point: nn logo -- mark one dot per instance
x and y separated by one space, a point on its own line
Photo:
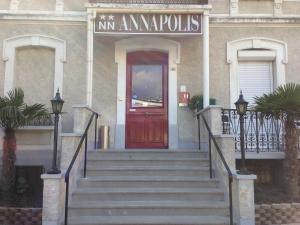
106 22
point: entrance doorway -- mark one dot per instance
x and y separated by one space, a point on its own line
147 100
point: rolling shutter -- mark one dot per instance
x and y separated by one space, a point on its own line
255 79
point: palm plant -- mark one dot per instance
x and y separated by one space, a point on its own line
284 103
14 113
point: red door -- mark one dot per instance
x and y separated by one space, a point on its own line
147 100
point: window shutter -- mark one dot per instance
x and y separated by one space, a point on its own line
255 79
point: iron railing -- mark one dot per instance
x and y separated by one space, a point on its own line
262 133
84 138
211 139
185 2
44 121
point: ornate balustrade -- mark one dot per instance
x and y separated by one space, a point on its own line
192 2
47 121
262 133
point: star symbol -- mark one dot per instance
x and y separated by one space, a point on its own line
111 17
102 17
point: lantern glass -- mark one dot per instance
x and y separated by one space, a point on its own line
241 105
57 103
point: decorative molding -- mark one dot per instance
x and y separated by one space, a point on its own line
14 4
278 7
59 6
146 43
281 59
234 7
90 57
9 49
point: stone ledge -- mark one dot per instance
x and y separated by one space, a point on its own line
244 177
52 176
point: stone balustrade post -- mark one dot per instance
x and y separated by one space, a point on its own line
213 116
226 144
81 116
243 199
70 143
53 199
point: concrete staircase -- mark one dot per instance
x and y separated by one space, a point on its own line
139 187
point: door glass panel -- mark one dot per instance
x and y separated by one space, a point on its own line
147 86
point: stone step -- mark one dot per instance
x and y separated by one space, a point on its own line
147 181
146 154
93 171
107 162
149 220
148 194
148 208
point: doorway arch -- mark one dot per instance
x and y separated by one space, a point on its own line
124 46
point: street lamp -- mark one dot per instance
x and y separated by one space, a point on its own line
241 107
57 105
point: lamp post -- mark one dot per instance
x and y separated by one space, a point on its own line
57 105
241 107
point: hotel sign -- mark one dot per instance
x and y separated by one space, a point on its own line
139 23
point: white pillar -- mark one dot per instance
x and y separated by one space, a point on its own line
90 56
53 199
243 199
205 59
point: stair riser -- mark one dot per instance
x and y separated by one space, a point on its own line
200 173
149 197
154 163
148 212
147 155
150 184
139 223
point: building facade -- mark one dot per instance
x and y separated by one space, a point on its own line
104 54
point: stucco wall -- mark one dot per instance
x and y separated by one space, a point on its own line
74 81
37 5
34 73
105 69
291 7
71 5
219 6
4 4
189 74
220 35
105 84
256 6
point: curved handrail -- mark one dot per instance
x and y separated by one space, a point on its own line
84 137
225 164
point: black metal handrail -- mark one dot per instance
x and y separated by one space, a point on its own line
220 154
84 138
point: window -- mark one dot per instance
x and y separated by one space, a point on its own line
255 79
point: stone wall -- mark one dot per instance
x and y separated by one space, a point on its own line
277 214
17 216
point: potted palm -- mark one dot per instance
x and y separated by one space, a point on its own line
284 103
15 113
196 102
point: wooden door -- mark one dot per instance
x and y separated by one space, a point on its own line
147 100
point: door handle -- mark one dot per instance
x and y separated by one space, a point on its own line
147 114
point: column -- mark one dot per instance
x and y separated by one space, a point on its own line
205 59
234 7
53 199
90 56
243 199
